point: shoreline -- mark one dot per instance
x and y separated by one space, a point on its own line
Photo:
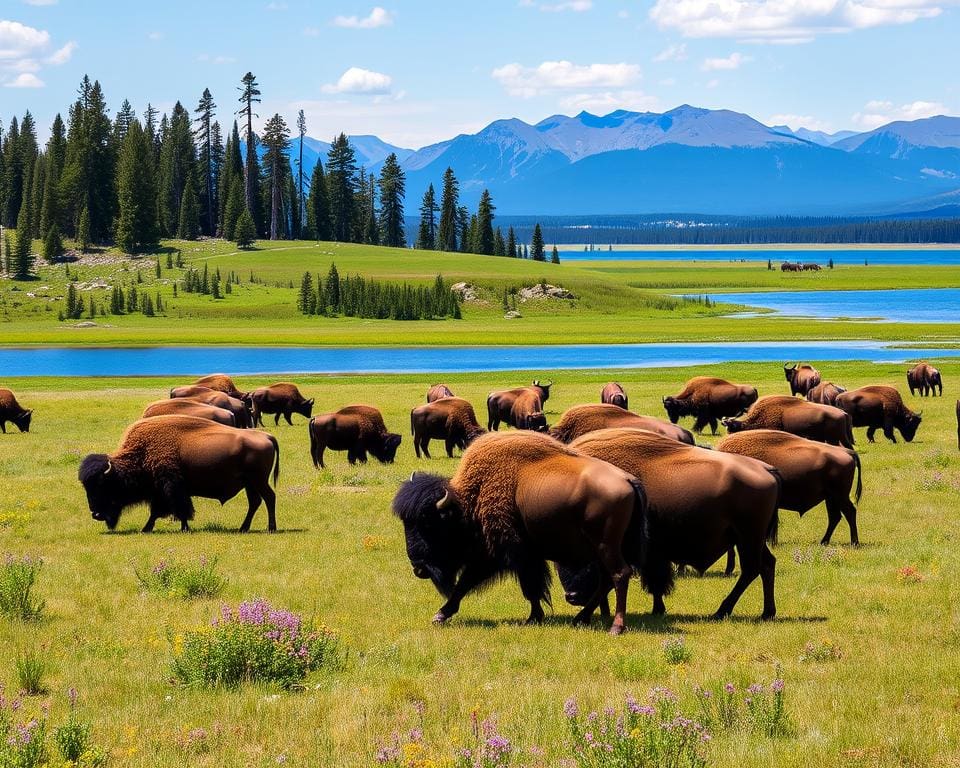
768 247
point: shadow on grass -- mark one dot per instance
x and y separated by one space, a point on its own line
644 622
203 529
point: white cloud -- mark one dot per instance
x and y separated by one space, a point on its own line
357 80
25 80
778 21
275 6
713 83
608 101
378 17
18 40
577 6
800 121
155 36
217 59
733 61
527 82
40 2
676 52
877 113
668 82
62 55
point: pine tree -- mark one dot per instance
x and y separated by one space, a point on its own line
511 243
207 171
70 310
485 238
177 169
136 192
188 227
341 188
449 204
245 232
463 228
393 189
215 287
121 123
301 200
371 233
331 289
499 246
233 209
318 206
147 305
22 256
92 310
230 174
55 155
52 244
276 139
427 234
250 95
307 298
536 244
12 191
555 256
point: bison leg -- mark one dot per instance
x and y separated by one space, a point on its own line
731 562
276 419
472 577
3 427
713 426
850 512
157 510
533 578
700 423
888 431
768 570
254 496
253 504
425 447
599 598
749 570
871 431
833 519
450 444
287 417
619 572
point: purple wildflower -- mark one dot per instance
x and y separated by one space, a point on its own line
777 685
729 688
570 709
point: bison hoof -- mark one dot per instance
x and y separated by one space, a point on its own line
768 615
440 618
617 629
721 615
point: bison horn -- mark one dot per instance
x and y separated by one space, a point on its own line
109 468
445 501
548 384
413 474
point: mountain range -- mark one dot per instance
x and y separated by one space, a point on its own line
686 159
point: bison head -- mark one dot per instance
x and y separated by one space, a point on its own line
23 421
435 529
386 452
535 422
732 425
790 372
674 409
105 488
544 389
910 425
579 584
305 408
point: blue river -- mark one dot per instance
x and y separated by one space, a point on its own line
876 256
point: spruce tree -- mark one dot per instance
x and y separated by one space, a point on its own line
427 233
463 228
204 136
499 246
52 244
307 298
70 310
22 256
177 169
55 155
250 95
276 139
536 244
230 174
233 209
137 226
318 205
341 188
188 227
449 204
245 232
301 200
331 289
392 185
485 239
511 243
555 256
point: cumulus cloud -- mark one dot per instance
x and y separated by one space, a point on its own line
787 21
877 113
25 80
362 81
378 17
608 101
18 40
63 55
677 52
527 82
733 61
25 51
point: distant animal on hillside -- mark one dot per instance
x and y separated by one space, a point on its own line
799 417
437 391
183 406
283 399
521 408
925 379
825 393
450 419
356 429
165 460
802 378
614 394
581 419
880 407
708 400
239 408
516 501
11 410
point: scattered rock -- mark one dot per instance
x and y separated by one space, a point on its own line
465 291
545 291
85 324
512 315
93 285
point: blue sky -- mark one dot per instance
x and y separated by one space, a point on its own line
418 72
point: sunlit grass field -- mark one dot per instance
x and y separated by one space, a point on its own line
891 698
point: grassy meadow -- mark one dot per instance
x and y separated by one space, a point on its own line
885 693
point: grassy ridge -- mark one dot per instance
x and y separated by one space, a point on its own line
889 700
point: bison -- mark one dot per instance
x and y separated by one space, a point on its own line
239 408
282 399
880 407
825 393
701 503
790 267
450 419
581 419
221 383
799 417
185 407
614 394
166 460
802 378
515 502
437 391
11 410
521 408
356 429
925 379
709 399
812 472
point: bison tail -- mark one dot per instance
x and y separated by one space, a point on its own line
849 432
276 464
859 492
636 540
313 444
774 526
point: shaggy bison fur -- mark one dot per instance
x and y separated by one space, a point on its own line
450 419
186 407
709 399
581 419
880 407
356 429
799 417
283 399
11 410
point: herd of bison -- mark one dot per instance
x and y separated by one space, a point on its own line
604 493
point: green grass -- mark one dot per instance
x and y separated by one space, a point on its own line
885 695
616 301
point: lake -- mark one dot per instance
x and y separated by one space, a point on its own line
877 256
903 305
248 361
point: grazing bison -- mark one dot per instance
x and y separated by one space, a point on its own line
11 410
810 266
582 419
166 460
614 394
239 408
356 429
825 393
185 407
221 383
811 472
709 399
790 267
802 378
515 502
925 379
437 391
521 408
450 419
880 407
701 503
282 399
799 417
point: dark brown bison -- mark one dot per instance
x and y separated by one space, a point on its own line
437 391
614 394
356 429
239 408
582 419
185 407
701 503
812 472
825 393
790 267
221 383
810 266
802 378
515 502
880 407
709 399
283 399
166 460
11 410
450 419
799 417
925 379
521 408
